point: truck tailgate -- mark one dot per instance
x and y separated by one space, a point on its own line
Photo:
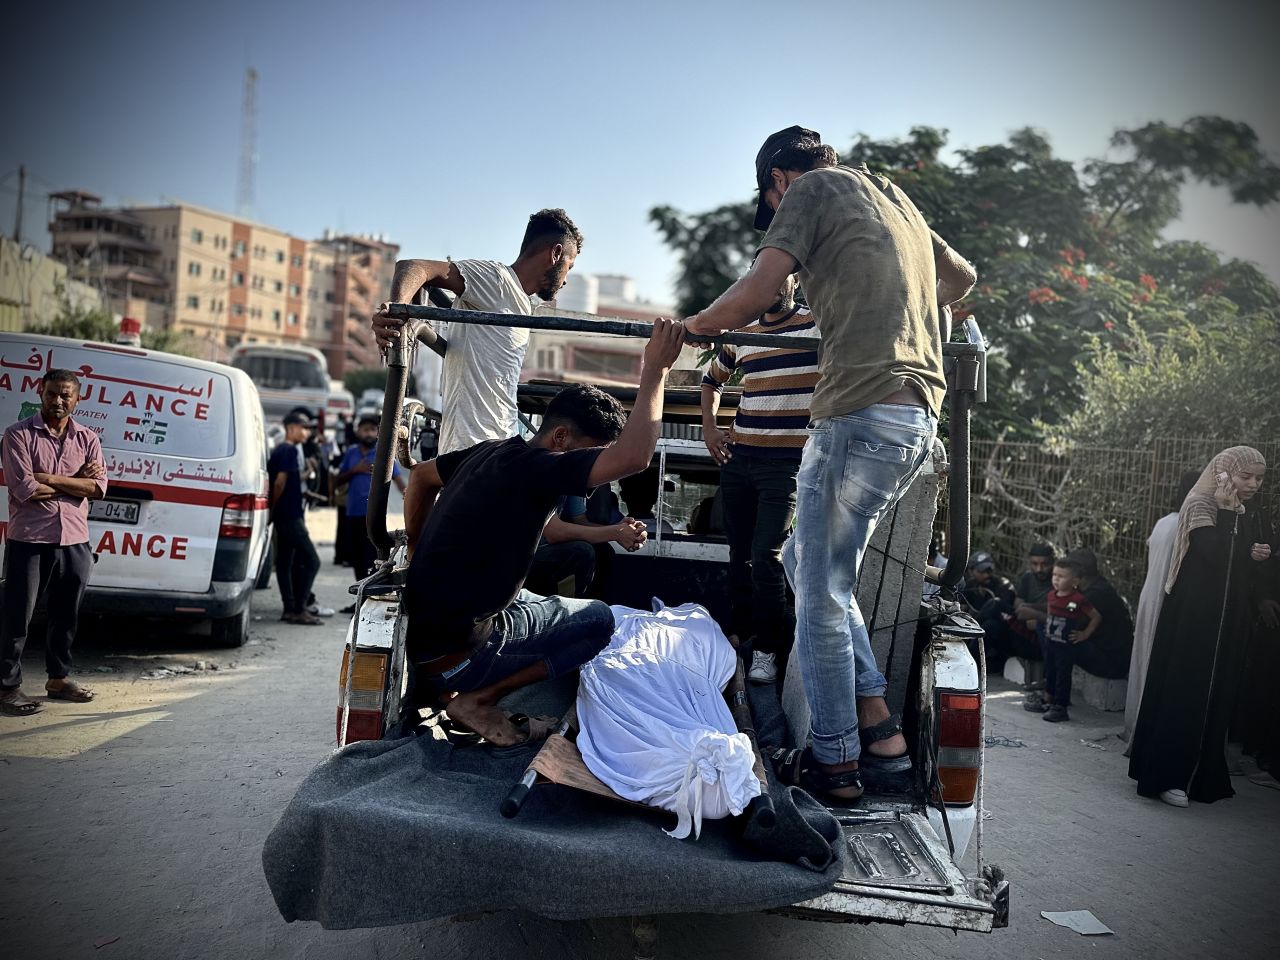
897 870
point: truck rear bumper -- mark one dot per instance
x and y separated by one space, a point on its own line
897 870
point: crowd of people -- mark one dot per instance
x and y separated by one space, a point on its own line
1200 655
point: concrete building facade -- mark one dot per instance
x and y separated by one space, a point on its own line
226 281
595 358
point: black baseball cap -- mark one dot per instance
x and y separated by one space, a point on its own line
774 144
374 418
298 417
982 561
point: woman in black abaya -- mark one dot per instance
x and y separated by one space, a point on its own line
1179 743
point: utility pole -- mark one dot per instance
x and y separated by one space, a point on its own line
248 145
22 196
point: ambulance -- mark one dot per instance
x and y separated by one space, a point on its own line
183 531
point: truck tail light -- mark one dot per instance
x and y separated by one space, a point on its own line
368 687
959 745
237 515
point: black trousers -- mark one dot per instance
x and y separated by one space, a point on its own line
554 562
297 563
759 495
342 538
359 548
33 569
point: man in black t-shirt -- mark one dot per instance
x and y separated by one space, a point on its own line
1030 604
475 517
296 560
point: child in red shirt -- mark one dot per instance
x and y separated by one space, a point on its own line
1068 609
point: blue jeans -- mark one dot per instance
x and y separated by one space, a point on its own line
558 631
855 468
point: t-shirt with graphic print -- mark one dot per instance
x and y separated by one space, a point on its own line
1066 613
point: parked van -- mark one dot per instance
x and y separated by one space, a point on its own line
286 377
183 531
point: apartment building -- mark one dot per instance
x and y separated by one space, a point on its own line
363 266
227 281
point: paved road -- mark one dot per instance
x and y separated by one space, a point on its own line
142 816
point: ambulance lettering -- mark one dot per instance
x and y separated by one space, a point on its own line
156 545
29 384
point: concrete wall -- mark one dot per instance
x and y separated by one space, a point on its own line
29 284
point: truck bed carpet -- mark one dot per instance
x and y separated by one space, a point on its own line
408 830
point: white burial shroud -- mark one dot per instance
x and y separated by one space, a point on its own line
654 724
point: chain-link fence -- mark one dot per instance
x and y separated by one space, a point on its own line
1100 498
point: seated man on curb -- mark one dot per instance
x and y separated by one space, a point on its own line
474 518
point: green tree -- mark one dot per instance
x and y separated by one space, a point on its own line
77 322
1063 254
1192 383
372 378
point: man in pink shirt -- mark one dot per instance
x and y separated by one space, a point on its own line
52 467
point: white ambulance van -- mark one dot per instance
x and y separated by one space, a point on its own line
183 531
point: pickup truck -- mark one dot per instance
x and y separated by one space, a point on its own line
903 851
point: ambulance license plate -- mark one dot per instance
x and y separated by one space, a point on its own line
114 511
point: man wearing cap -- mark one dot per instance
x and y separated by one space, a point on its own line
990 597
875 277
356 472
296 559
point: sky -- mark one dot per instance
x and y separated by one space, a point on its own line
444 125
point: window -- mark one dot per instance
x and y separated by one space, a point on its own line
193 302
277 286
329 297
276 372
238 250
604 363
279 256
296 260
275 317
193 269
197 236
295 290
293 319
237 279
238 309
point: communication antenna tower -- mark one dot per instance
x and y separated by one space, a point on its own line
248 145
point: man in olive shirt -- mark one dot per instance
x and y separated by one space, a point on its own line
875 277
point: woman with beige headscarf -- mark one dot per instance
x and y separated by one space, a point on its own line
1179 743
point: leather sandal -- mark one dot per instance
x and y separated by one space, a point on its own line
70 691
798 768
14 703
890 774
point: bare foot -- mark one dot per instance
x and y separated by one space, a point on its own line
469 711
872 710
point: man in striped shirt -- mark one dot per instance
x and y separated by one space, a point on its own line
759 456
